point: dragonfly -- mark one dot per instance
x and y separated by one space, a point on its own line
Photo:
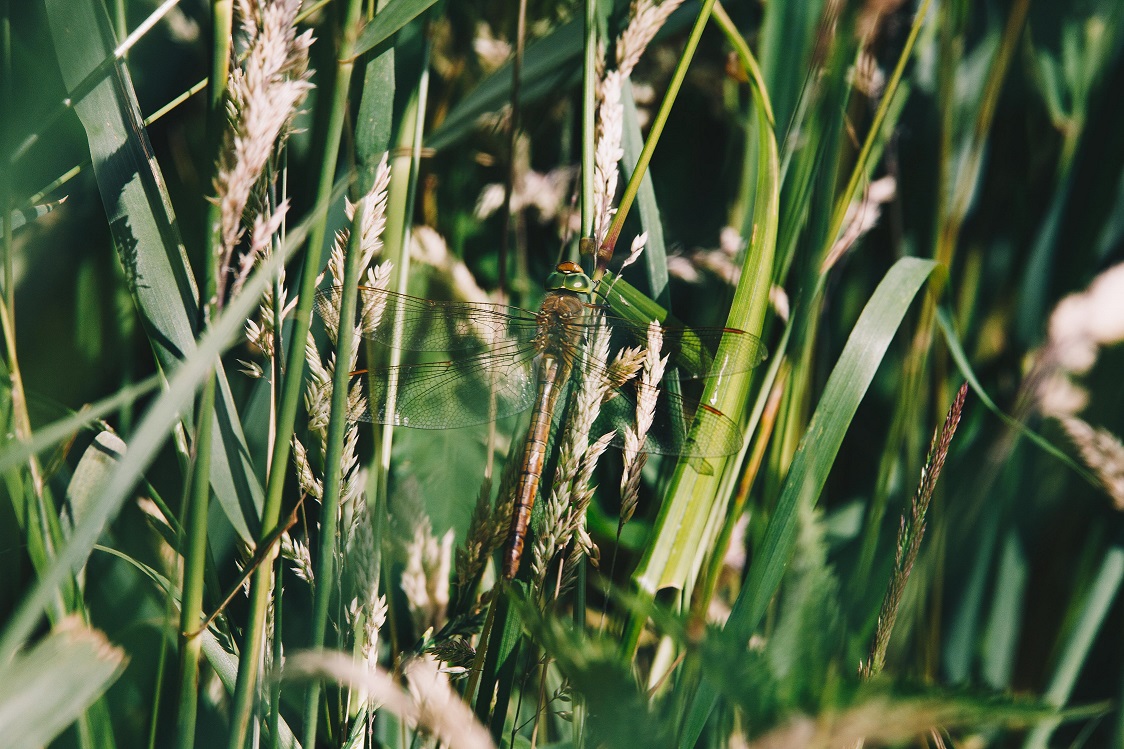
504 360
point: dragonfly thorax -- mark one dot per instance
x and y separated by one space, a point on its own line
560 324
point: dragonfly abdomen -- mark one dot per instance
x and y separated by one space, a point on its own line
551 374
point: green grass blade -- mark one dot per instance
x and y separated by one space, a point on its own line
389 21
146 236
784 46
674 553
194 549
655 251
815 456
1076 649
47 687
226 666
156 427
15 452
944 320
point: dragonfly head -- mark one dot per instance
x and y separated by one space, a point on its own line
568 276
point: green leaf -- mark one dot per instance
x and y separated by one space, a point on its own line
45 689
655 251
94 468
697 494
154 429
815 456
145 233
389 21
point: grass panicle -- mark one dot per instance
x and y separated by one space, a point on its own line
849 183
910 533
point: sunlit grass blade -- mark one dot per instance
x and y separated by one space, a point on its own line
148 242
389 21
14 452
677 548
48 686
152 432
956 349
814 458
1076 647
655 251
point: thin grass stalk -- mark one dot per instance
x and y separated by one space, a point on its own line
1097 604
278 657
92 80
222 21
746 57
6 176
58 431
194 548
337 424
840 214
989 102
193 543
605 251
38 521
401 196
908 408
589 112
158 677
153 431
249 664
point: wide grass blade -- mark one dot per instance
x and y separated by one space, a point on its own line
154 429
46 688
695 496
815 457
146 236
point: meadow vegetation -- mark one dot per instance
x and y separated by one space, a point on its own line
221 526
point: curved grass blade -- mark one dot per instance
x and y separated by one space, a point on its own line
15 452
694 496
944 320
146 236
815 456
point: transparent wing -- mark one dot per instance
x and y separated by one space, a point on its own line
427 325
670 434
450 394
697 353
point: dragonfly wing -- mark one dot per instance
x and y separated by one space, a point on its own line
414 324
697 353
715 435
450 394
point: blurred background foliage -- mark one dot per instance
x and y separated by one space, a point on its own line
1018 543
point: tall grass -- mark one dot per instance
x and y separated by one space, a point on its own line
914 206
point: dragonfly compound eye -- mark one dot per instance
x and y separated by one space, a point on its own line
569 277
